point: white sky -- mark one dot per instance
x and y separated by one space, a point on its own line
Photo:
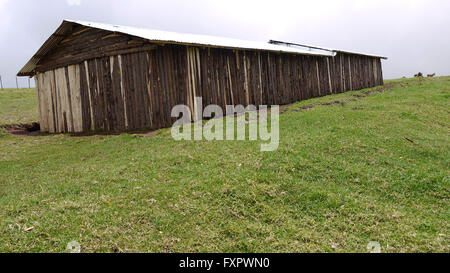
414 34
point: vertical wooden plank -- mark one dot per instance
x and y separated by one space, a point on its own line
170 79
190 83
306 79
52 101
192 72
375 73
95 104
123 92
68 95
199 75
230 80
350 72
135 91
64 114
41 102
380 71
260 78
318 78
129 91
85 97
44 91
59 128
301 89
216 79
75 97
144 92
118 108
157 88
100 104
278 83
329 75
171 89
147 72
108 95
246 76
163 85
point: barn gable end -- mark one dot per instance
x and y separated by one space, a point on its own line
84 43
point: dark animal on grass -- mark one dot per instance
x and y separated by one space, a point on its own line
418 75
431 75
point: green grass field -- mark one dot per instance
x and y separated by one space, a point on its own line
18 106
375 168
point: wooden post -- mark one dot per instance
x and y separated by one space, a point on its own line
29 83
17 83
1 83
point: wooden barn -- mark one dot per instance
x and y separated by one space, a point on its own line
92 76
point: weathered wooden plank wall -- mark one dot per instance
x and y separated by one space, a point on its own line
139 89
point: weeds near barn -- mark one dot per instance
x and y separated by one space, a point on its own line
374 167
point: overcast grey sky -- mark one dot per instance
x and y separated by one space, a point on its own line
414 34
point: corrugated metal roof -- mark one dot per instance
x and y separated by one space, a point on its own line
320 49
161 36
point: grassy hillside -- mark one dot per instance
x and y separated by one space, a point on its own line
18 106
373 167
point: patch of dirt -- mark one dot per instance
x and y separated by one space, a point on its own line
310 106
33 130
359 96
144 133
27 129
306 107
150 134
343 103
370 92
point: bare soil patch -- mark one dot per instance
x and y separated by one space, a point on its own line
26 129
363 94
